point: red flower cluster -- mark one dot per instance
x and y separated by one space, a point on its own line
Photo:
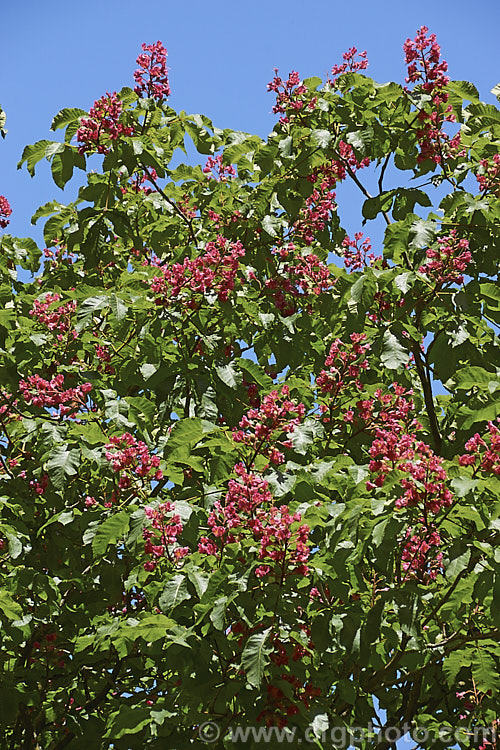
422 56
289 94
418 558
483 452
357 256
137 181
215 168
214 271
306 275
335 170
248 511
345 363
262 427
350 64
489 177
5 211
151 76
103 121
39 487
131 456
445 265
161 537
49 393
55 319
279 706
314 216
396 446
58 256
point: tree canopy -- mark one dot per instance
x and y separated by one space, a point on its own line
249 461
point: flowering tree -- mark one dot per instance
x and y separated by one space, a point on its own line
234 489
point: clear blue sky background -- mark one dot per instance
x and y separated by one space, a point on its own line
58 53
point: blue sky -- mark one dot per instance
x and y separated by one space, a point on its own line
59 54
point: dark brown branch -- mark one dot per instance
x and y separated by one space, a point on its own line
428 398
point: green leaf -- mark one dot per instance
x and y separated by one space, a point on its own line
175 592
393 354
10 609
321 138
457 564
199 580
33 154
255 657
109 532
67 116
229 374
62 463
475 377
303 435
124 723
465 90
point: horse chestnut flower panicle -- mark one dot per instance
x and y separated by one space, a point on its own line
5 211
483 452
151 76
350 64
261 427
215 270
219 171
247 512
128 455
445 264
103 121
422 56
357 256
49 393
489 176
58 319
419 557
289 94
345 363
161 537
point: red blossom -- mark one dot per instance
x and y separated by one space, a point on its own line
445 264
103 122
55 319
425 67
215 270
345 363
151 76
161 537
219 171
129 456
50 393
350 64
263 427
5 211
357 256
489 175
289 94
483 452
